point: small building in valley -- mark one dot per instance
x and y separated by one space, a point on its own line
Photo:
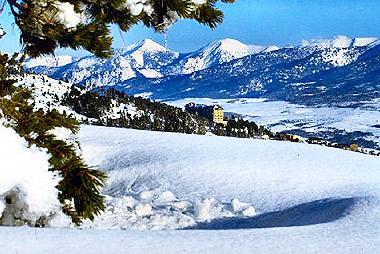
218 114
213 113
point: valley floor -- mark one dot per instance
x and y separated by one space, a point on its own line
308 199
360 124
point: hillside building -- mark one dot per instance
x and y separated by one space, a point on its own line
213 113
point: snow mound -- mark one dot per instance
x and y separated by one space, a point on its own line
24 174
157 210
185 180
270 175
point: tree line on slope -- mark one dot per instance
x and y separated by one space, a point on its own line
240 128
110 107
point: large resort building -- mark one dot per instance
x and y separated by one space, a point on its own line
213 113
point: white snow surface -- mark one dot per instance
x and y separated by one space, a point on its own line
27 169
49 61
218 52
196 166
269 175
48 93
340 41
68 16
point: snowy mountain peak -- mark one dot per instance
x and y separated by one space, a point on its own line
338 42
234 48
363 41
147 45
218 52
48 61
229 45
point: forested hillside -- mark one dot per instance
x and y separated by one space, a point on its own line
113 108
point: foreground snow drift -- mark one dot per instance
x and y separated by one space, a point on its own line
152 210
27 188
308 199
270 175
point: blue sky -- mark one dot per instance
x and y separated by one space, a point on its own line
260 22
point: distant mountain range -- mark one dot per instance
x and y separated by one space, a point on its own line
340 71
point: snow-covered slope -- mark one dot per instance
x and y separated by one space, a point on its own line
309 199
217 52
48 93
142 59
49 61
339 42
338 50
197 166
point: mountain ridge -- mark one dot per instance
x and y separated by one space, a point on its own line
229 69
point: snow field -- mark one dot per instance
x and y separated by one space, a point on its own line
155 176
270 175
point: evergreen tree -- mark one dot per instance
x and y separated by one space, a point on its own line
46 25
79 191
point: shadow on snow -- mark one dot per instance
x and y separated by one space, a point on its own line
315 212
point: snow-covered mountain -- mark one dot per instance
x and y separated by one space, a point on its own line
48 93
215 53
46 64
231 69
144 59
338 42
49 61
109 107
290 73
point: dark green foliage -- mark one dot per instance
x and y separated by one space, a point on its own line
240 128
42 32
153 115
79 191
